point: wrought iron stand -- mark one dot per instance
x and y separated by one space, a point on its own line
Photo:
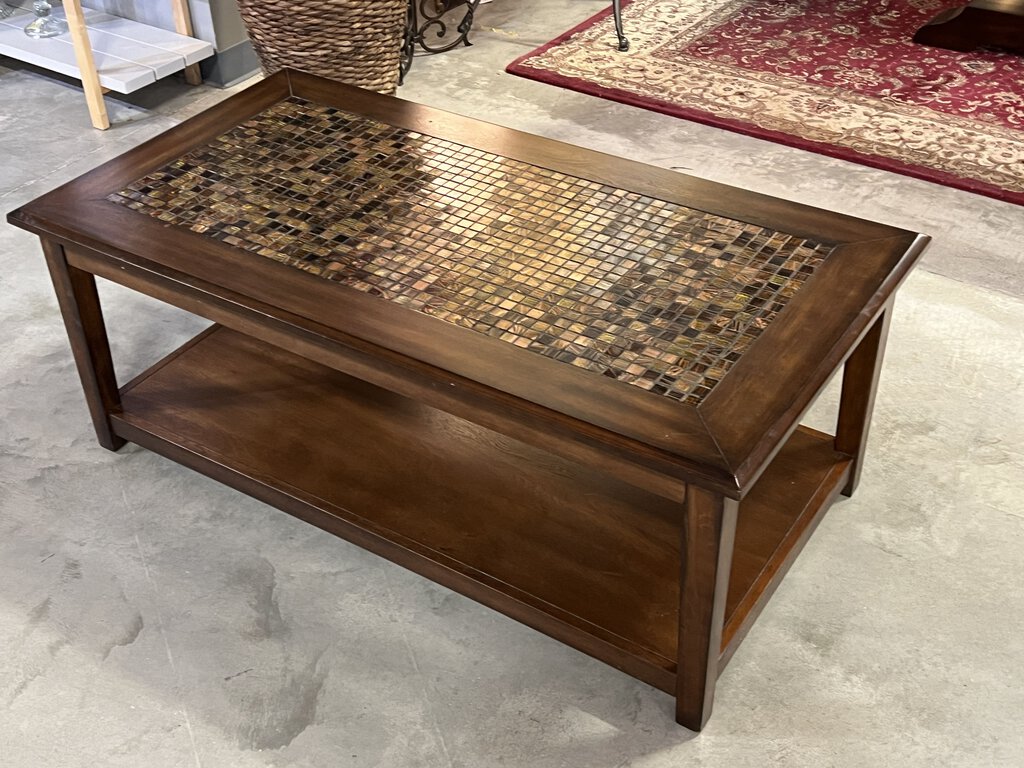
428 28
617 13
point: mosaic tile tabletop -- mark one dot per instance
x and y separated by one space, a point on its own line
652 293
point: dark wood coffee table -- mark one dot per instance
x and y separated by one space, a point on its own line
979 24
564 384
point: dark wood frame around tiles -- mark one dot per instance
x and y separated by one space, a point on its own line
644 527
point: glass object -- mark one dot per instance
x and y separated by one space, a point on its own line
45 25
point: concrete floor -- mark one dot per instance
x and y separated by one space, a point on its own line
149 616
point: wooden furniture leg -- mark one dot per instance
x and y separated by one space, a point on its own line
83 318
860 383
709 530
183 26
86 65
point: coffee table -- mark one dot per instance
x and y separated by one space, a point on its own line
564 384
978 24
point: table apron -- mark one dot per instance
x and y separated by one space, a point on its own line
481 405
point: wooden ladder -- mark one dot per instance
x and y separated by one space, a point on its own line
83 55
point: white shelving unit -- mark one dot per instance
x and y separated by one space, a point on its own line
106 52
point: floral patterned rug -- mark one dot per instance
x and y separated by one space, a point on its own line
840 77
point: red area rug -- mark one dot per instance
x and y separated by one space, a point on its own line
840 77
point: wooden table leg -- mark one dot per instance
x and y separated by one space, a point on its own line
709 530
83 318
860 384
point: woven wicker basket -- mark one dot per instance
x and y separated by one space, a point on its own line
355 41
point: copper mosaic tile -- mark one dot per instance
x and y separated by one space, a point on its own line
649 292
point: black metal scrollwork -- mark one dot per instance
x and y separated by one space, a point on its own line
427 27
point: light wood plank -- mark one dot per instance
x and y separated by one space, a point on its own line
127 55
183 25
86 65
58 55
162 62
188 48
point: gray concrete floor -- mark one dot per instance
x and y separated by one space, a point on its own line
149 616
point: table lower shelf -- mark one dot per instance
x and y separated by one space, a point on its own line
585 558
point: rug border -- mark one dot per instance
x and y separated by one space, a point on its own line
933 175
